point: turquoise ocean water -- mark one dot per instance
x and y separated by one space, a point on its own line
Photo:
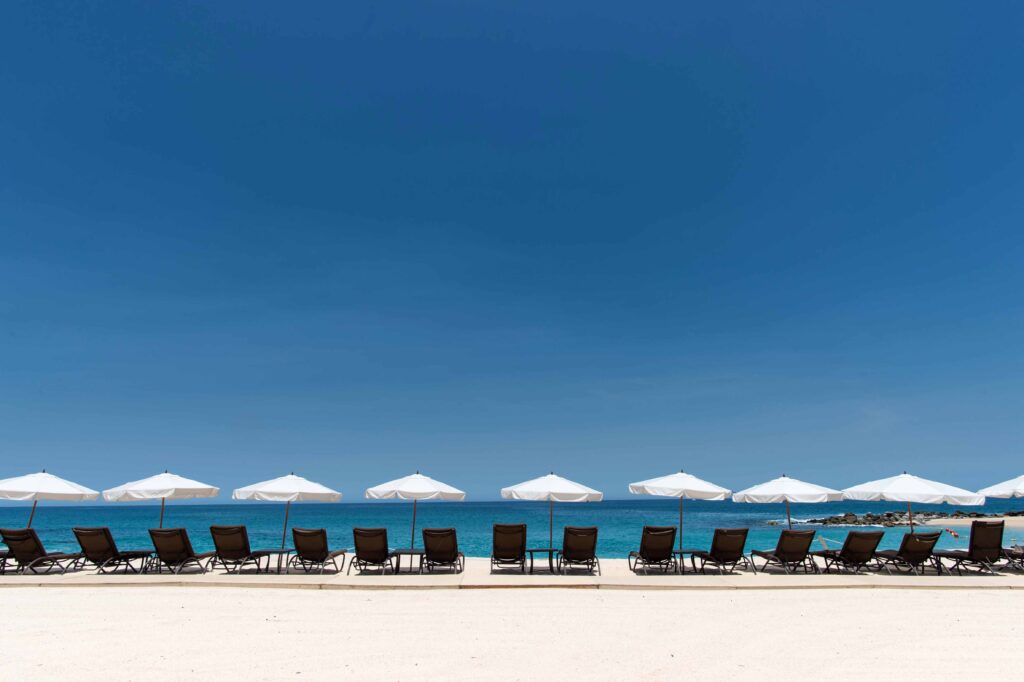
620 521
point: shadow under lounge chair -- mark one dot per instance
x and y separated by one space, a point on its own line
857 553
232 550
793 552
509 546
1014 557
726 551
914 554
100 550
29 554
3 561
174 551
371 550
441 550
579 548
984 551
656 549
312 552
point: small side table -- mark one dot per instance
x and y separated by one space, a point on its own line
550 551
410 552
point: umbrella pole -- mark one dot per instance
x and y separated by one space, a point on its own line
162 500
680 523
551 522
789 519
910 513
284 533
32 514
413 542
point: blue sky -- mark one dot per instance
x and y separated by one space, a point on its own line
488 241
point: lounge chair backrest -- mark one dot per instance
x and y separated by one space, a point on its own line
97 544
509 541
860 545
371 544
311 544
727 544
231 542
657 542
579 544
986 541
171 544
440 545
23 543
794 545
916 548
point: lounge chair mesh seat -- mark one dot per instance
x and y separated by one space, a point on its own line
100 550
791 553
28 552
656 550
371 550
984 552
579 549
174 551
232 550
726 551
913 556
441 550
857 553
509 546
312 552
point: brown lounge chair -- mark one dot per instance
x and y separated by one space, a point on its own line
312 552
726 551
1014 557
441 550
174 550
579 548
857 553
3 561
791 553
27 550
232 550
656 545
372 551
984 551
100 550
509 548
914 554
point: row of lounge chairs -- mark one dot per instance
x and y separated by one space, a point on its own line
172 551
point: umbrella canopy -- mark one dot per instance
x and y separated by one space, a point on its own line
43 486
1012 488
909 488
786 489
165 486
287 489
415 487
681 485
552 488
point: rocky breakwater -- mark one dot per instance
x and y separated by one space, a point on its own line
899 518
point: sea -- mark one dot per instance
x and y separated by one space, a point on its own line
620 522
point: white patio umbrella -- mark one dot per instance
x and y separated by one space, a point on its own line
165 486
287 489
415 487
786 489
43 486
1012 488
909 488
552 488
683 486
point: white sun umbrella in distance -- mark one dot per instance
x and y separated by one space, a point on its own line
909 488
786 489
415 487
43 486
682 485
163 487
287 489
552 488
1012 488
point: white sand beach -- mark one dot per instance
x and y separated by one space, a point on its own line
171 633
1010 521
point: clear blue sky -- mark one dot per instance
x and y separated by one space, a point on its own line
487 241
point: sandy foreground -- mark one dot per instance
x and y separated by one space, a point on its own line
169 633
